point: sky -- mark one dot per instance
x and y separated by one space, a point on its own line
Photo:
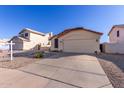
57 18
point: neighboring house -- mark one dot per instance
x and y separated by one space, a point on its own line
3 41
77 40
116 40
29 39
3 45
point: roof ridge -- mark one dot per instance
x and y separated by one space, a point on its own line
76 28
31 30
119 25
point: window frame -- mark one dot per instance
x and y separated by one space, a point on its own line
26 34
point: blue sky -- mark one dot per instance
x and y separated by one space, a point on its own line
57 18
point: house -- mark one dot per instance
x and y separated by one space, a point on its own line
29 39
77 40
3 45
116 40
3 41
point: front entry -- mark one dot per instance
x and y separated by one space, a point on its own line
56 45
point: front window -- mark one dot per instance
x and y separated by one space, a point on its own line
26 34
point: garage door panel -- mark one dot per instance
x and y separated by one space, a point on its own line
79 46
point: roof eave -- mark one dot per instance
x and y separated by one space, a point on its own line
30 30
53 37
62 33
111 30
114 27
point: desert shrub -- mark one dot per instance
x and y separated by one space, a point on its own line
38 55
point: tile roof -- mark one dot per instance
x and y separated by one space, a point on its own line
74 29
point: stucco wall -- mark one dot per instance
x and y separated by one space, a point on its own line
88 41
116 44
113 48
113 35
28 45
36 39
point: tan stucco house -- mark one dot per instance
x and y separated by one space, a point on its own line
77 40
29 39
116 40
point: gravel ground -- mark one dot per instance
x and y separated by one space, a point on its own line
22 59
17 62
113 66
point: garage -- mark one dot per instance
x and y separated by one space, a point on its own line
77 40
79 46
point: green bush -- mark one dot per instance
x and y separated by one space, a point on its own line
38 55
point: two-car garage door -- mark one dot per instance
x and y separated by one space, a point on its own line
80 46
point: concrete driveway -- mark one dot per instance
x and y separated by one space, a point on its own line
61 70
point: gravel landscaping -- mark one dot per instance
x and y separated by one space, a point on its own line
113 66
20 59
17 62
